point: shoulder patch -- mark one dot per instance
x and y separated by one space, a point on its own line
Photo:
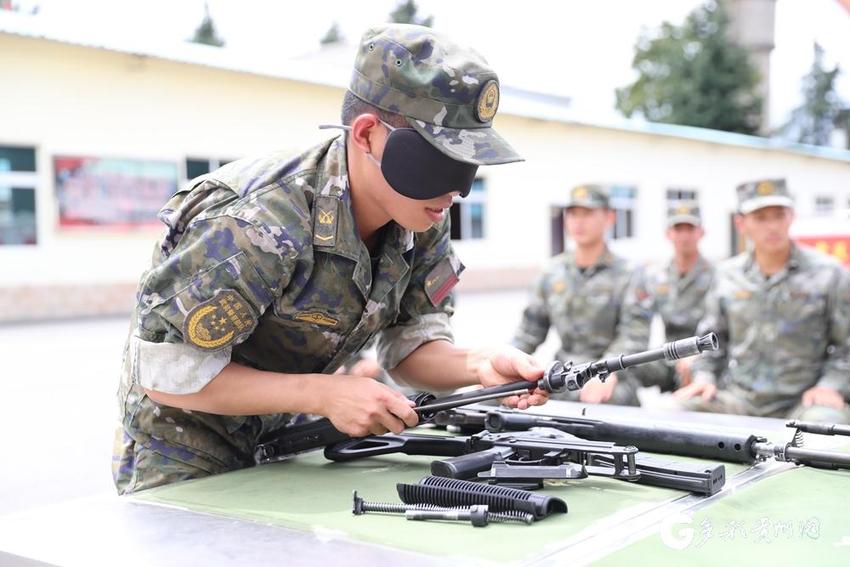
215 324
440 281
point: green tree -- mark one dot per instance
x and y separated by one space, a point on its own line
694 75
206 33
822 110
843 122
333 35
406 13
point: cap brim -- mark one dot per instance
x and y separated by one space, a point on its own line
683 219
586 205
479 146
751 205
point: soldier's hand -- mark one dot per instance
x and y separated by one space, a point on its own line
510 365
361 406
595 391
683 370
705 389
820 396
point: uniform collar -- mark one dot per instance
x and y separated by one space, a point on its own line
332 192
701 265
335 228
606 260
796 260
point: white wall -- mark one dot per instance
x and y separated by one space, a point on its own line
72 100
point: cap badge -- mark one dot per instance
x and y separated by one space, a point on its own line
580 193
488 101
765 188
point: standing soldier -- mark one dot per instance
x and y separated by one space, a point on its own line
676 292
781 314
581 294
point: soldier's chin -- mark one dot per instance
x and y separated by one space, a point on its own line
418 225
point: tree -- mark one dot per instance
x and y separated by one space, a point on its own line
843 122
822 111
333 35
694 75
405 13
206 33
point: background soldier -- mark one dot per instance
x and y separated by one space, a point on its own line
274 271
781 313
676 292
581 295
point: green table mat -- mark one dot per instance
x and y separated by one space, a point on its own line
798 517
312 494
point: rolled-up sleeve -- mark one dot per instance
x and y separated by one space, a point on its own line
397 342
175 368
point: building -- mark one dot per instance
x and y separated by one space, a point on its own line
94 137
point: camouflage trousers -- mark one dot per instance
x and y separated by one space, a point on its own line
157 444
737 401
659 373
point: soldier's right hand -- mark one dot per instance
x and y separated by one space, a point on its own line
360 406
705 389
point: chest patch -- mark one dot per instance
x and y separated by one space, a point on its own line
317 318
743 294
216 323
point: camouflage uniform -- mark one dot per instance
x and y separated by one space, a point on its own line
779 335
262 264
679 299
585 307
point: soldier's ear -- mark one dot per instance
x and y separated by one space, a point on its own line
363 130
739 222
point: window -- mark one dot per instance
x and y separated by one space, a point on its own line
623 200
201 166
824 205
17 195
676 195
467 214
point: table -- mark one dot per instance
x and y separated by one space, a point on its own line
298 512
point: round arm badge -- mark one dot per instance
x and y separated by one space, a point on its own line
488 101
215 324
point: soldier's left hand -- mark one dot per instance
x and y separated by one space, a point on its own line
820 396
510 365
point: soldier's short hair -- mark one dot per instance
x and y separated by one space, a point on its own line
352 107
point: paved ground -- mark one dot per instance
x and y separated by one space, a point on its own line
57 397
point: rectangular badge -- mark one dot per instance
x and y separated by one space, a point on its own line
441 280
325 221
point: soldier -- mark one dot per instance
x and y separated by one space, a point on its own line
676 292
781 314
274 271
581 294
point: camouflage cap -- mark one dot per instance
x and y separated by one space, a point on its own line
589 197
447 92
763 193
683 212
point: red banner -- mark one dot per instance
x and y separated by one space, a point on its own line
836 246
